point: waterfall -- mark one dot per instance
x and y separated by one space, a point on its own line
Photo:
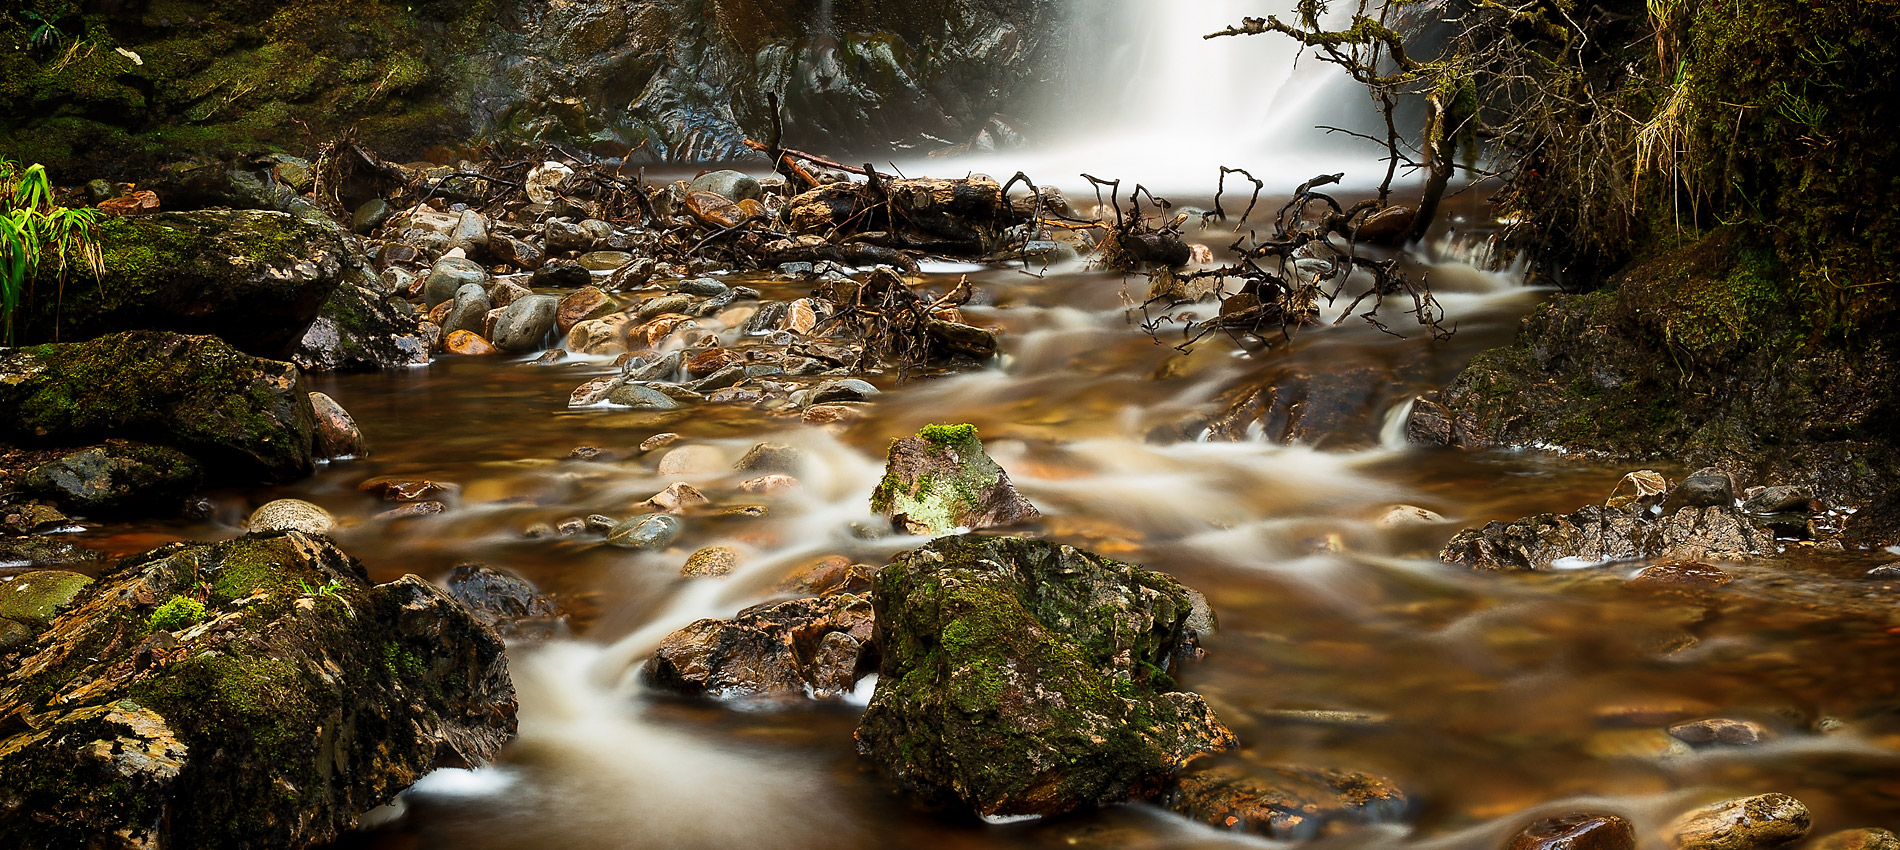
1146 98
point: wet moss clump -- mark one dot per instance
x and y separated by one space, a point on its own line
1022 677
177 613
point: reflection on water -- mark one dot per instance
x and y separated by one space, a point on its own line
1491 699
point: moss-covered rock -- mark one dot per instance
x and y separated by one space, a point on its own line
941 480
244 418
254 278
116 479
1701 356
34 598
301 698
1024 677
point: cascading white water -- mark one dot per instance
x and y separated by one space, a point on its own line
1148 99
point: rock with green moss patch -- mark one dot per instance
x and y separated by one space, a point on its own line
1020 677
941 480
254 278
34 598
1595 535
118 478
303 698
244 418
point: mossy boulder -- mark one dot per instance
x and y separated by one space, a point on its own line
244 418
299 699
34 598
116 479
1021 677
254 278
941 480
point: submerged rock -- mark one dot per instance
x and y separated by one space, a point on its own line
1020 677
1721 730
651 531
244 418
1857 839
116 479
1285 803
817 647
291 700
1747 823
941 480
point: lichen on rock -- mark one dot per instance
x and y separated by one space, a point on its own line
941 480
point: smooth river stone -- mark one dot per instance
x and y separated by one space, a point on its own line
603 261
449 275
290 515
1746 823
526 323
468 311
652 531
693 460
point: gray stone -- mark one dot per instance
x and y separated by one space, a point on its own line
470 234
848 389
642 397
1704 488
566 236
703 287
469 311
448 276
370 215
1779 499
116 479
525 324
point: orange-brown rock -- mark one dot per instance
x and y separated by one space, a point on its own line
579 306
137 203
466 342
818 646
714 210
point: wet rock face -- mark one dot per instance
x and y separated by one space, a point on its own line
817 646
242 417
506 602
690 80
300 698
253 278
1291 803
1576 832
941 480
1599 534
1023 677
358 329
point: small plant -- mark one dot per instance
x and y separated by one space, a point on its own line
332 589
46 33
32 227
177 613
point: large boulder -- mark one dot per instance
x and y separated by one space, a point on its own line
358 329
253 693
817 646
1020 677
243 417
941 480
252 277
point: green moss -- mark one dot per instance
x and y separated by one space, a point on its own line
177 612
944 436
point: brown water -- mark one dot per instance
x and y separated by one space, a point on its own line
1489 698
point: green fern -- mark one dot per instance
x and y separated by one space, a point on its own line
33 227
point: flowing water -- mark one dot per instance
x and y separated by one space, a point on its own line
1488 698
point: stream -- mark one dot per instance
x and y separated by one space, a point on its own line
1488 698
